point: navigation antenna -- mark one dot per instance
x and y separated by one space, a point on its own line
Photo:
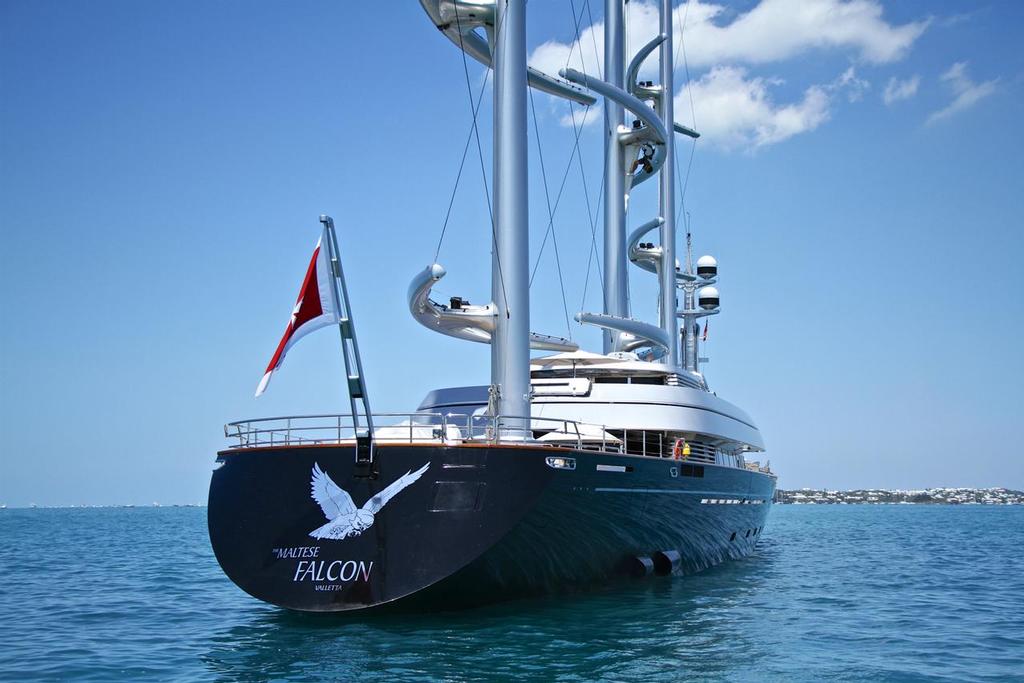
689 246
355 384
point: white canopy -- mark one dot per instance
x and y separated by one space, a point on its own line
572 358
574 433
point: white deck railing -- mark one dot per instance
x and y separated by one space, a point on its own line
454 429
421 427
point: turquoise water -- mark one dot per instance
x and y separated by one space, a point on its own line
901 593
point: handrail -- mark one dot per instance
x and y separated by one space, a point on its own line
453 429
415 427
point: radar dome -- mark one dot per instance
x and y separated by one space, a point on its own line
707 298
707 267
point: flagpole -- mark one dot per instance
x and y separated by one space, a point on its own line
354 382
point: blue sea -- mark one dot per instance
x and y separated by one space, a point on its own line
833 593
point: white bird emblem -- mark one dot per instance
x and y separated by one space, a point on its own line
345 519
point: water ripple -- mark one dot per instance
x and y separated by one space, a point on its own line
832 594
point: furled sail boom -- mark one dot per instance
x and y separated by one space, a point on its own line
458 21
634 333
633 70
648 90
649 258
646 258
469 322
651 135
688 132
655 130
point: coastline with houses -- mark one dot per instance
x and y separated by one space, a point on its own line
932 496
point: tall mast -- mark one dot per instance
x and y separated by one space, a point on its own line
667 197
616 284
510 345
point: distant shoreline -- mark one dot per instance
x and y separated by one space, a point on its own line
933 496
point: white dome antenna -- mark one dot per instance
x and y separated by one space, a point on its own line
707 267
707 298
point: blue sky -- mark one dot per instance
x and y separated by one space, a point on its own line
162 166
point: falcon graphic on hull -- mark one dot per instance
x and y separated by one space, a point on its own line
345 519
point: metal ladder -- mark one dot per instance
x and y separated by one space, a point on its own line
357 395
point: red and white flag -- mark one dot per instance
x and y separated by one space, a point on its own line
705 335
314 309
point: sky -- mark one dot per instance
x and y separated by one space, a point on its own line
860 179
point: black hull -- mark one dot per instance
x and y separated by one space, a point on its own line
481 523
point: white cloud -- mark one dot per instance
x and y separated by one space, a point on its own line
582 116
966 93
896 90
772 31
733 111
851 84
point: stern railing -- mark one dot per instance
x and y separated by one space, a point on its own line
456 428
420 427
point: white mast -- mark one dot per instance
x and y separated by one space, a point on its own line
510 268
504 323
616 283
667 197
643 145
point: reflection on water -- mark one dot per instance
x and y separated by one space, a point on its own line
658 627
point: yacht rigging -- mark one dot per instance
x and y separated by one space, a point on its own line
566 469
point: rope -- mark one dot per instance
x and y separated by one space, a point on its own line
592 255
682 182
592 213
593 38
551 214
480 154
575 150
462 164
558 198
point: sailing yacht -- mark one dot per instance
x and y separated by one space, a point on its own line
570 468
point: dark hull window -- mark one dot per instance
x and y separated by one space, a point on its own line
688 470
